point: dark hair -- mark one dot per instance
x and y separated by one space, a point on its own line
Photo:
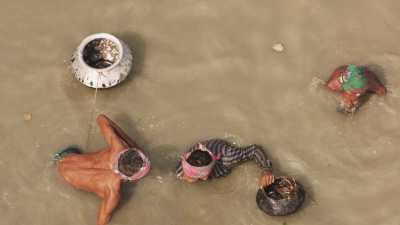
130 162
275 202
199 158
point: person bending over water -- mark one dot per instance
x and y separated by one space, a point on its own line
101 172
215 158
353 82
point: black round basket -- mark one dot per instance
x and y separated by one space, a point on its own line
270 201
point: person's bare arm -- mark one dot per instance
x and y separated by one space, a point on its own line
253 152
267 179
128 140
109 133
109 203
117 131
374 84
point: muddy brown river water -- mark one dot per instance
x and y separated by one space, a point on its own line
203 69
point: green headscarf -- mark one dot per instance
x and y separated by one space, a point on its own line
356 79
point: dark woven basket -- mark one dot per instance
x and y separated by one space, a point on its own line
274 204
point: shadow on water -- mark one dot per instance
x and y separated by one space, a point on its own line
379 71
128 125
127 191
137 46
308 188
163 158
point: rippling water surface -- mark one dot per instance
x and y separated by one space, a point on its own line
203 69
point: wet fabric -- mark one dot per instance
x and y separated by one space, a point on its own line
354 79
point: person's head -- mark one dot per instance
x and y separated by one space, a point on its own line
132 164
199 158
355 79
197 164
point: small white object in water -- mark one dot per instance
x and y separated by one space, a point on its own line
278 47
159 179
27 116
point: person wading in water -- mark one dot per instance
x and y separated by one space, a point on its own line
101 172
215 158
353 82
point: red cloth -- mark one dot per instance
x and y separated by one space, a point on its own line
333 82
374 85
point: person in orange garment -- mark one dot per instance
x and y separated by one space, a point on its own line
103 171
353 82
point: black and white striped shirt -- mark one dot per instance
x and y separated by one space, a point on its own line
230 156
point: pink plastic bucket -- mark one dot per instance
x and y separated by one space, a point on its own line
195 171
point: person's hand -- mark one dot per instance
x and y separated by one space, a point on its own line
267 179
204 178
188 179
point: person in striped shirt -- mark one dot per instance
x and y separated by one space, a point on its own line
216 157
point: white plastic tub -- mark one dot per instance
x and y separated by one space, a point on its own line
101 61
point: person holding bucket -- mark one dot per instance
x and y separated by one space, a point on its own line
103 171
215 158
